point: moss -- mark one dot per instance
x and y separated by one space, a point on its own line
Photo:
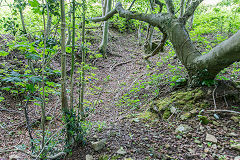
187 100
166 114
147 115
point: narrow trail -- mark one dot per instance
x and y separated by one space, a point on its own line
150 138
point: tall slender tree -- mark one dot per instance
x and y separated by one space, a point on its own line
82 73
103 45
64 101
73 52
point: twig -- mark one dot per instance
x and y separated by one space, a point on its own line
27 121
33 156
113 67
223 111
214 101
50 139
224 97
2 109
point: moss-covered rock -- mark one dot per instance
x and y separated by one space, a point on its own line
185 101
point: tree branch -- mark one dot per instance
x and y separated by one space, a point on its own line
170 7
191 9
106 17
153 19
220 56
182 8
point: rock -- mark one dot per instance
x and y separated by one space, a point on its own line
197 141
237 158
128 159
121 151
192 151
214 146
232 134
183 128
167 146
215 123
185 116
89 157
14 157
236 146
173 110
235 119
99 144
211 138
95 137
225 128
194 111
209 91
206 150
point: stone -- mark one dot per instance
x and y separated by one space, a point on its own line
211 138
183 128
121 151
237 158
14 157
232 134
214 146
192 151
97 146
197 141
128 159
95 137
173 110
167 146
235 119
236 146
89 157
206 150
215 123
194 111
185 116
225 128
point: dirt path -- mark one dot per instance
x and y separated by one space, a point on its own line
142 139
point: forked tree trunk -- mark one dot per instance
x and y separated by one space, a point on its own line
199 67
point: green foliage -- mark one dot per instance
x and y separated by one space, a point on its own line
9 24
76 129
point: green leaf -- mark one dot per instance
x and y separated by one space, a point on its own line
1 99
33 3
48 118
3 53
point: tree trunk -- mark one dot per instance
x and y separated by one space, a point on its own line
200 67
103 45
63 59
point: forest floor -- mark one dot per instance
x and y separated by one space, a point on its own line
132 132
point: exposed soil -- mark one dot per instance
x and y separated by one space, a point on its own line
127 127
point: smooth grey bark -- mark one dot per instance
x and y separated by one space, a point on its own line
64 101
22 20
103 45
212 63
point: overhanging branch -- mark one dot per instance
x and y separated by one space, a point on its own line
153 19
221 56
191 9
106 17
170 7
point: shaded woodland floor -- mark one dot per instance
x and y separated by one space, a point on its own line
122 126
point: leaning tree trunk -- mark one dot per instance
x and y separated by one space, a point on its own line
199 67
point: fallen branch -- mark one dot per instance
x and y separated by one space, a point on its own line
119 64
2 109
33 156
223 111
